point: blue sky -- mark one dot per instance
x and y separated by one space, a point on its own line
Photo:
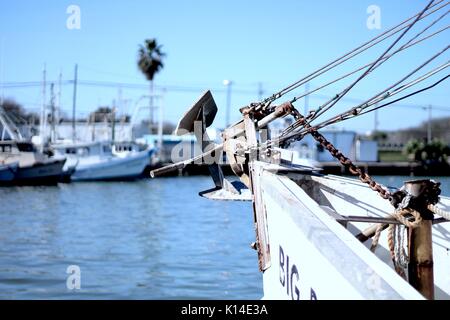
249 42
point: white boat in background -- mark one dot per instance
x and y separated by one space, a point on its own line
103 161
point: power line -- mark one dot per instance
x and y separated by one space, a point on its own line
140 86
179 88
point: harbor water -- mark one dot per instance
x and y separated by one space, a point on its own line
148 239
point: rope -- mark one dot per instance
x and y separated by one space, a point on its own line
391 243
444 214
376 237
400 252
396 238
399 215
390 240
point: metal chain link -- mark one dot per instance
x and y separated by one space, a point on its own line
352 168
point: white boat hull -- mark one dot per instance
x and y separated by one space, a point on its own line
112 168
309 255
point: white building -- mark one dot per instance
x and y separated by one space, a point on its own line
347 142
98 131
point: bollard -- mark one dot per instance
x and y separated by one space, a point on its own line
420 267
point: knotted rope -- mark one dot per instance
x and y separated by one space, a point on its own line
438 211
395 237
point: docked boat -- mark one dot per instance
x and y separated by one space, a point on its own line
32 166
8 172
26 165
323 236
96 161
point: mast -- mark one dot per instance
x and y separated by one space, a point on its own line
1 71
43 109
160 123
58 104
74 102
53 112
113 122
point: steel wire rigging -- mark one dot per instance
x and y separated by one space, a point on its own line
302 124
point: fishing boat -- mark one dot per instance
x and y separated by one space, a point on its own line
322 236
8 172
31 166
26 165
95 161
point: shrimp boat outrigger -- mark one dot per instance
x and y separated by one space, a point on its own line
322 236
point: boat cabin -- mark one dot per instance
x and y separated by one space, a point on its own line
23 152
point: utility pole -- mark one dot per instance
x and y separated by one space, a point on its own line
429 125
74 102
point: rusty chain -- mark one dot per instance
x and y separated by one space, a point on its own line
352 168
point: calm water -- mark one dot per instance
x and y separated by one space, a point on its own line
154 239
397 181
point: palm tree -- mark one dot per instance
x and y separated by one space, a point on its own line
150 58
150 63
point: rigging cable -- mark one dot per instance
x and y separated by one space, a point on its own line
405 46
356 111
407 96
339 96
351 54
366 65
